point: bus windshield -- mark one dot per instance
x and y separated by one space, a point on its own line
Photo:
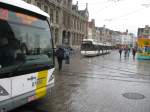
86 46
24 40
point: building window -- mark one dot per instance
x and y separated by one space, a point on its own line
59 1
68 19
73 39
64 2
146 32
51 15
46 9
39 5
74 24
69 3
71 23
57 16
64 18
56 35
78 25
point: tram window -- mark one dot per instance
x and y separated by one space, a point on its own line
24 41
86 46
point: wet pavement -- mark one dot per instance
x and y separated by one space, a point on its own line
98 84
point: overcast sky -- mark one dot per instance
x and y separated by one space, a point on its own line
118 14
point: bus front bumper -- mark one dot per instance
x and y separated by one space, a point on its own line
15 102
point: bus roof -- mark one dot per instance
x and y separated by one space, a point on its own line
93 41
26 6
88 40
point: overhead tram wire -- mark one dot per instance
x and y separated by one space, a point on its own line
125 15
108 6
130 13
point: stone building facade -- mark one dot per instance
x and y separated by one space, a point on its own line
92 30
68 24
104 35
144 32
116 38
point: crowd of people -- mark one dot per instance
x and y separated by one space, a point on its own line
63 54
127 52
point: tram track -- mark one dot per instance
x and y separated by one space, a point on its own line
108 77
117 68
122 75
126 64
122 61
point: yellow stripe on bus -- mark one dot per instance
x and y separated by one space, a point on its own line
41 84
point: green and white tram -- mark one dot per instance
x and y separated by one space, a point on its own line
26 54
89 47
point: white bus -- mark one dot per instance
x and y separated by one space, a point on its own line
26 54
89 47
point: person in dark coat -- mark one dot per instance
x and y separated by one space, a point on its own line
60 57
133 52
120 52
125 52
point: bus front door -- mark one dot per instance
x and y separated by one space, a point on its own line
5 94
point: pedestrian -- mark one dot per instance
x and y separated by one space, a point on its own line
128 52
120 52
133 52
67 55
125 52
60 57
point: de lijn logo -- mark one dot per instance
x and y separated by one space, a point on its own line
3 92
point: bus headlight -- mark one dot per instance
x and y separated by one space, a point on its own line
3 92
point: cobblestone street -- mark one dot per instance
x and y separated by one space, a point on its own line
98 84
